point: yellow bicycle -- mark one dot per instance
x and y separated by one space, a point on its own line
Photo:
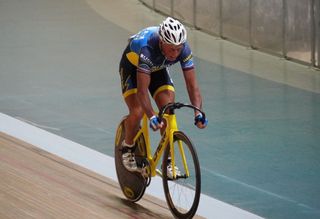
182 188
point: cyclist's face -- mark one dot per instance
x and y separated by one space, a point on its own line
171 52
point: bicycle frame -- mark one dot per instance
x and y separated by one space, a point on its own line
174 147
167 137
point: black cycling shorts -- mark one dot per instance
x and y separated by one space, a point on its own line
160 80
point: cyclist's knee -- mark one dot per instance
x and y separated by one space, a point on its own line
164 97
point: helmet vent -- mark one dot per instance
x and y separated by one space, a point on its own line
174 38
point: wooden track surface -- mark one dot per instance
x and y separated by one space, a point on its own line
37 184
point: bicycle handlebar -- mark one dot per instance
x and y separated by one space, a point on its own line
177 105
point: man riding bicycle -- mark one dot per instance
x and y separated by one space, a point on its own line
144 66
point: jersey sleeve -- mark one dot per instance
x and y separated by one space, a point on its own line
186 60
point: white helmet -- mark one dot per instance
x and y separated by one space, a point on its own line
172 31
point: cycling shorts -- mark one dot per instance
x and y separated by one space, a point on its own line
160 80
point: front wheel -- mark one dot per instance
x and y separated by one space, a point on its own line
183 191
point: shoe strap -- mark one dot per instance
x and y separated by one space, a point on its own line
126 149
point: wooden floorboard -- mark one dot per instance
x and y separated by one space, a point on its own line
37 184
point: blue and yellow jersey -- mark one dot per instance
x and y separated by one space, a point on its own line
145 53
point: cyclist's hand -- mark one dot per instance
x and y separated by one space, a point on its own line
200 121
155 123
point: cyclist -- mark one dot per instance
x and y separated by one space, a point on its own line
144 66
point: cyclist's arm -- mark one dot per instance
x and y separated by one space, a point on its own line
143 81
193 88
194 92
187 66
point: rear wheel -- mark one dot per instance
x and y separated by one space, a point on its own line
133 184
182 193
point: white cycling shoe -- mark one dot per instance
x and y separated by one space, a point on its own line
128 159
170 171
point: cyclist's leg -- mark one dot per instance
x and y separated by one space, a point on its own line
164 97
162 89
132 121
129 91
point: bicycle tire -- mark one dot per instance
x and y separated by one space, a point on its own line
132 184
185 204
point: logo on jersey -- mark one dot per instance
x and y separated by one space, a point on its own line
146 60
